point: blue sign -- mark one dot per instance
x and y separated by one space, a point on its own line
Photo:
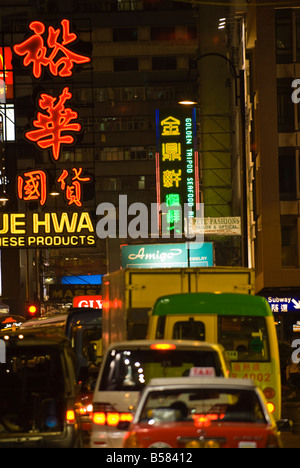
201 254
167 255
284 304
82 279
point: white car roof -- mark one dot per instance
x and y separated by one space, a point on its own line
203 382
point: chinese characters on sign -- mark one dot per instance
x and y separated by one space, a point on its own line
177 164
60 60
52 125
32 185
55 125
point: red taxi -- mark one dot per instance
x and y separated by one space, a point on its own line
202 413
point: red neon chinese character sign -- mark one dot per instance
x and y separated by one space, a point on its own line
32 185
60 61
54 123
73 190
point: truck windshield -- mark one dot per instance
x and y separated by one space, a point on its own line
132 369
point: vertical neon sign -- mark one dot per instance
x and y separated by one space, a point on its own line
55 123
177 177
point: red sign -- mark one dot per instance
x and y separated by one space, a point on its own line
32 186
73 190
202 372
54 123
6 74
88 301
60 60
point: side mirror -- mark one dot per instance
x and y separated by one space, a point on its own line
284 425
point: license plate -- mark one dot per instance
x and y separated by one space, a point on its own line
246 444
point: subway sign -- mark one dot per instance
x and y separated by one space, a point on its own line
177 170
47 230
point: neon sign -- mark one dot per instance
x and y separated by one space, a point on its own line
6 74
48 49
52 125
32 186
177 164
60 61
36 230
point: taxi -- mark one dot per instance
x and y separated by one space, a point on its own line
128 366
202 413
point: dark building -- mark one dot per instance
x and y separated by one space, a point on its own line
273 49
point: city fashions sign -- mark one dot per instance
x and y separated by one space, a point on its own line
38 230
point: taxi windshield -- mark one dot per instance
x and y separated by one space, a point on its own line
131 369
200 406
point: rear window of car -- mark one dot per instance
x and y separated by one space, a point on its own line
202 405
131 369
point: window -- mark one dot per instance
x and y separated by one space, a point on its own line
163 33
142 183
288 36
189 330
111 184
284 36
289 243
197 404
131 369
164 63
286 107
126 64
287 174
125 34
244 338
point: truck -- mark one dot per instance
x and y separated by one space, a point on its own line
129 294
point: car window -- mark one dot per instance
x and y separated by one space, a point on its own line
132 369
31 388
189 330
202 406
244 338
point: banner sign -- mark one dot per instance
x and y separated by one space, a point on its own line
67 292
220 226
167 255
37 230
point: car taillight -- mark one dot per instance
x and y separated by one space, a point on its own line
105 414
70 416
85 410
271 407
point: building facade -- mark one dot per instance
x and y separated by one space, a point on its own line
273 52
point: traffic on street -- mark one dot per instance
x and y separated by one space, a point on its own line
60 386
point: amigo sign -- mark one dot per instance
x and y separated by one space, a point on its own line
37 230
